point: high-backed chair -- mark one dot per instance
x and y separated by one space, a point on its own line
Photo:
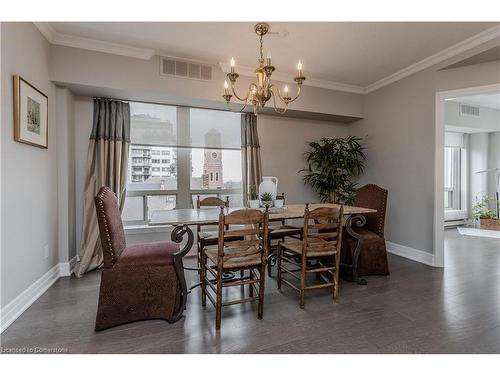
207 237
138 282
373 256
317 253
248 254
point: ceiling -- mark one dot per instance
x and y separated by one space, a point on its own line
351 53
485 100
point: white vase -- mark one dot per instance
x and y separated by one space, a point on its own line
254 203
278 203
269 185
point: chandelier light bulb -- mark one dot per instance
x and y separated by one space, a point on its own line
232 62
286 89
299 66
226 86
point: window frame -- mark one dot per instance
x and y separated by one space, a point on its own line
184 194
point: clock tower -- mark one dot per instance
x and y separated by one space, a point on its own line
212 165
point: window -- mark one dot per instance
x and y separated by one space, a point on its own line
200 155
455 176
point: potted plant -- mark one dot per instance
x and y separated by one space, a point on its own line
266 199
253 198
280 200
487 217
333 164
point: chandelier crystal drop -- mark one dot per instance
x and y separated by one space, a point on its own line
260 92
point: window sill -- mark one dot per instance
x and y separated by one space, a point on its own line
144 228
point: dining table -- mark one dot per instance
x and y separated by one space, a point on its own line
182 219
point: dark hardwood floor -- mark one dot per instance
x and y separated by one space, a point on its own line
417 309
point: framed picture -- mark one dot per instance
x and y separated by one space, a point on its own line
31 114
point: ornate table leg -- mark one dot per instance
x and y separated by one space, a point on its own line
359 220
177 236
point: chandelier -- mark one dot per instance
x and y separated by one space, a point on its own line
263 90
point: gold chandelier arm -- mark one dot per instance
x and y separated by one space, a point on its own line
274 102
236 95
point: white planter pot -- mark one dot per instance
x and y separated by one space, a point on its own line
278 203
254 203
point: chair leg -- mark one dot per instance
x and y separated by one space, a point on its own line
302 281
261 290
336 278
218 304
250 286
279 266
203 277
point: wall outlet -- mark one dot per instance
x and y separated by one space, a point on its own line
45 251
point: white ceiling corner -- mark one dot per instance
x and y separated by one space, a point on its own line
93 44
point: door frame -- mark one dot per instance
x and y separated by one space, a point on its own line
441 96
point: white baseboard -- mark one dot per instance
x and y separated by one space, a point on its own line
23 301
410 253
67 268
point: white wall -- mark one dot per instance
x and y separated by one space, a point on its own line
399 123
29 174
283 143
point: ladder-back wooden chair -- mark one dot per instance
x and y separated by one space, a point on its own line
248 254
317 253
280 233
206 236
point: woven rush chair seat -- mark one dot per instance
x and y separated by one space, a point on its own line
237 261
298 246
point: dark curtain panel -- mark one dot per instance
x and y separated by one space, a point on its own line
107 163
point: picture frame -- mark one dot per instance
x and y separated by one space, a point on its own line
31 114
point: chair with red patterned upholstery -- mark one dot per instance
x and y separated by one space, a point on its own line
138 282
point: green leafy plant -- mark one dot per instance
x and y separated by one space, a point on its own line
481 209
253 194
333 163
266 197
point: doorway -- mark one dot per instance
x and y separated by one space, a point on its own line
467 167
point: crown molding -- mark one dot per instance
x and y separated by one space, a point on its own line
314 82
47 31
93 44
145 54
456 49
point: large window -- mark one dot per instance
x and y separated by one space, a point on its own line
178 153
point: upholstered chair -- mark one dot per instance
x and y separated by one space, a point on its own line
373 257
138 282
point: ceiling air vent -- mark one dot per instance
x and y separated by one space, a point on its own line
469 110
185 69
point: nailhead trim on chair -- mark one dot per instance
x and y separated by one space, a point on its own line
380 213
105 222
